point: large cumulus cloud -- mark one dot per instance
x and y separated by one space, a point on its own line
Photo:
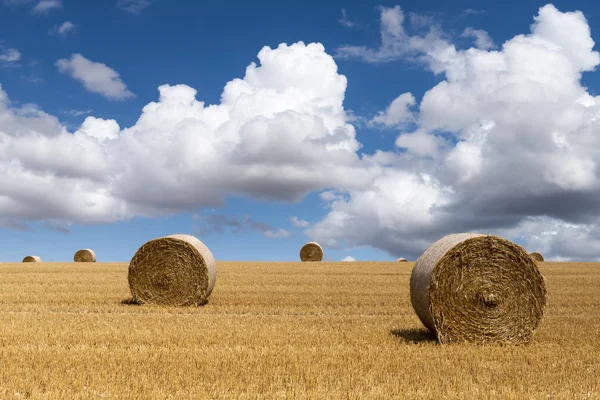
278 133
509 139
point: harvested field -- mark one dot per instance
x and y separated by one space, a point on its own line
280 330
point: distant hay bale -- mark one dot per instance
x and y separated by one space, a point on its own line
176 270
537 256
478 288
32 259
402 260
85 255
311 251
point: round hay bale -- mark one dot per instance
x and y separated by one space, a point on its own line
537 256
85 255
311 251
478 288
402 260
32 259
176 270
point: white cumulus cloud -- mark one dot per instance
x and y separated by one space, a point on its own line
95 77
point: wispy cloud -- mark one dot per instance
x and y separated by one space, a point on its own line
299 223
95 77
64 29
56 226
134 6
348 258
346 21
78 113
8 55
472 11
482 39
220 223
45 6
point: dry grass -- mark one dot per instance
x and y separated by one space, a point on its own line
280 330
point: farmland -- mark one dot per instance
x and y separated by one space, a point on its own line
279 330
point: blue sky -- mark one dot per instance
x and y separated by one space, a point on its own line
376 128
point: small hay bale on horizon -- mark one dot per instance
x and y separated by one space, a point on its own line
32 259
311 251
85 255
402 260
469 287
175 270
537 256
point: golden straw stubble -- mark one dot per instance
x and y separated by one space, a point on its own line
478 288
176 270
85 255
311 251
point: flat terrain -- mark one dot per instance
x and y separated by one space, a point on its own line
279 330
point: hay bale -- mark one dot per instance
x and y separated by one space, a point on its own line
176 270
32 259
537 256
311 251
402 259
85 255
478 288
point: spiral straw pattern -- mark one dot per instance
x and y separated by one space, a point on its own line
311 251
85 255
476 288
176 270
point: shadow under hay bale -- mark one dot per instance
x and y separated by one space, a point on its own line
478 288
311 251
85 255
537 256
176 270
32 259
414 336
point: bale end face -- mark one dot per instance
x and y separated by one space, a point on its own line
85 255
537 256
176 270
478 288
311 251
32 259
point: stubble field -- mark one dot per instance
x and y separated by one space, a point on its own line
279 330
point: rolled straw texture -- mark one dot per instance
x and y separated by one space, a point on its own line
32 259
537 256
478 288
85 255
176 270
402 260
311 251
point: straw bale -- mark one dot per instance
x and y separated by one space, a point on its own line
478 288
537 256
32 259
311 251
85 255
176 270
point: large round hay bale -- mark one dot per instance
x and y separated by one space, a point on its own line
478 288
32 259
311 251
402 259
85 255
176 270
537 256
